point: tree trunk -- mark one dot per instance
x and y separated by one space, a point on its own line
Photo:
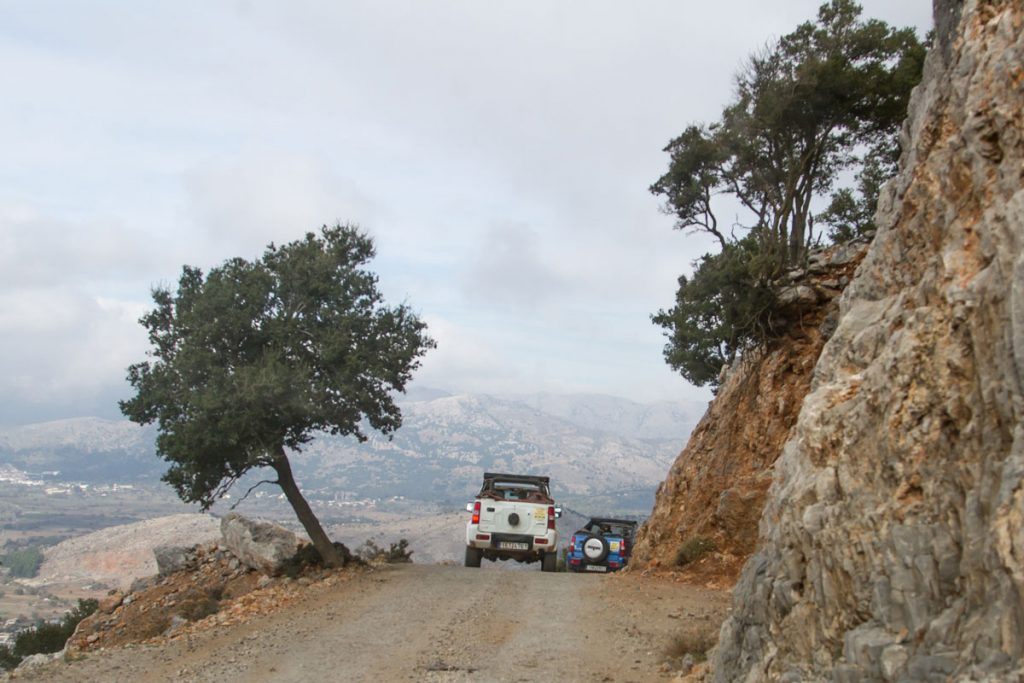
330 554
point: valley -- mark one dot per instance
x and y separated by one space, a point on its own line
73 479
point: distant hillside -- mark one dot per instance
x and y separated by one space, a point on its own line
588 445
86 449
117 555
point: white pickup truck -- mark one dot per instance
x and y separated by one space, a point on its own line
513 519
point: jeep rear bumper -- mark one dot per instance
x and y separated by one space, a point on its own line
504 546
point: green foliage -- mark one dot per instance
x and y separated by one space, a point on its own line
23 563
822 101
725 307
45 637
694 549
851 213
256 357
263 354
819 100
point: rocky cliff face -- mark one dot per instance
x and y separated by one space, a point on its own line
715 490
892 540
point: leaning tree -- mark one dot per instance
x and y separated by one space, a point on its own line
252 360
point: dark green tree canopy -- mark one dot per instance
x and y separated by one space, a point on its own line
716 313
256 357
821 103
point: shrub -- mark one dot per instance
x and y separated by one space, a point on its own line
696 643
23 563
308 556
44 638
396 553
694 549
196 605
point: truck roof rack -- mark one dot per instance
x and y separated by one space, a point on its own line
518 478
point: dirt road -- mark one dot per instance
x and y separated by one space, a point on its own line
435 623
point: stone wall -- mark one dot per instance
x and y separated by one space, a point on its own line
892 541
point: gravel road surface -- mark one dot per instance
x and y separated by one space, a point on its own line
434 623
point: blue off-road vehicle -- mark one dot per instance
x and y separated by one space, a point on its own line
602 545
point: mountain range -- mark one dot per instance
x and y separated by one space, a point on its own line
588 444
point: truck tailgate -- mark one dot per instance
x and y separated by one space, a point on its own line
498 517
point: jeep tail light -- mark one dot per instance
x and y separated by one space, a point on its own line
551 516
572 543
622 547
476 513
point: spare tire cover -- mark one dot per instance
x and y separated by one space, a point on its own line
595 548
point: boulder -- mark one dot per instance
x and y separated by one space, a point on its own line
111 602
37 660
172 558
260 545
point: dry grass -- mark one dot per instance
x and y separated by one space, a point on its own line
694 549
696 641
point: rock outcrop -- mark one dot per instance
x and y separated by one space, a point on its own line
212 590
715 490
892 540
260 545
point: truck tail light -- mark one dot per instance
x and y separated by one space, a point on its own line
476 513
551 516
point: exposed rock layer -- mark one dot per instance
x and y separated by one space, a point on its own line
716 488
892 542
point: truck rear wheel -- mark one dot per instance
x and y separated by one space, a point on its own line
473 556
549 562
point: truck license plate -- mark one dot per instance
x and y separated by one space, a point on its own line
596 568
511 545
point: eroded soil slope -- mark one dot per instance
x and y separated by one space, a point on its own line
715 491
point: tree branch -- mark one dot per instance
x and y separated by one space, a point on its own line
251 489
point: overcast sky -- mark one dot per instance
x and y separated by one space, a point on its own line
498 152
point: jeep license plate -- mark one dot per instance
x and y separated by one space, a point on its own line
512 545
596 568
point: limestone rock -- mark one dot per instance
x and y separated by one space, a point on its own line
717 486
260 545
37 660
892 540
172 558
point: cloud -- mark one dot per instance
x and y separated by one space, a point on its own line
509 268
65 352
254 199
498 153
38 250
